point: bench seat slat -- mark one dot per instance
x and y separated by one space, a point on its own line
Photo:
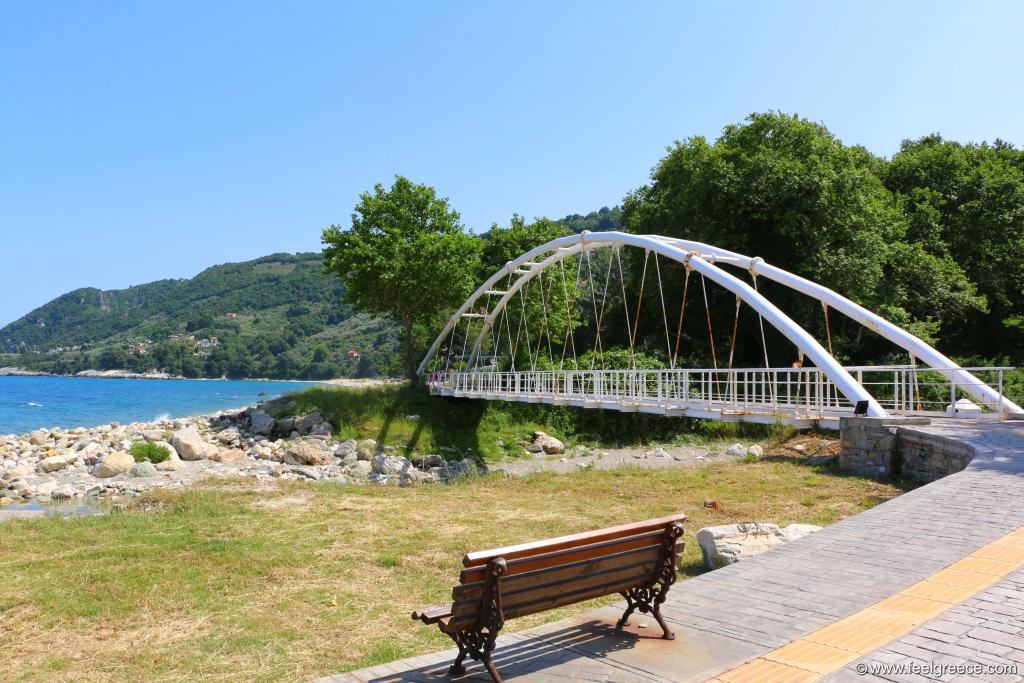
552 601
566 556
430 615
513 552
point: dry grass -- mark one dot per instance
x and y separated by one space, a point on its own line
305 580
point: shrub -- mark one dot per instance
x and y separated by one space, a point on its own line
146 450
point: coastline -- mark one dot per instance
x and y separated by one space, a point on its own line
127 374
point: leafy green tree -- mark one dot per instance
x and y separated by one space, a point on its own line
784 188
406 256
965 203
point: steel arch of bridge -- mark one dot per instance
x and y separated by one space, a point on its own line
706 259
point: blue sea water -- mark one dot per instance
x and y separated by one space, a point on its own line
27 403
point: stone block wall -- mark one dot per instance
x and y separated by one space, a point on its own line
873 447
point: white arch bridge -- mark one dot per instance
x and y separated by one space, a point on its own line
487 350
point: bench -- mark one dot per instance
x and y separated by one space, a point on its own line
636 560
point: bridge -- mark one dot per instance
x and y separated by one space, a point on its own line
488 351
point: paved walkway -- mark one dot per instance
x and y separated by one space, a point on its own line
746 612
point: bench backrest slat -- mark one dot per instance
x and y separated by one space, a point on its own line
567 555
513 552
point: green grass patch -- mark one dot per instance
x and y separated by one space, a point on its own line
409 418
228 583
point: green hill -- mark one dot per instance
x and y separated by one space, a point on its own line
276 316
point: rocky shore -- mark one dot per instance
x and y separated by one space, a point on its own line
53 464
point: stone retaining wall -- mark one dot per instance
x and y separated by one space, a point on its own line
875 447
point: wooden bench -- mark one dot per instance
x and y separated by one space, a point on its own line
637 560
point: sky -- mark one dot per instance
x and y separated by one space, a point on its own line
150 140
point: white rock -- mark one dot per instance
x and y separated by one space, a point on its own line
756 451
116 463
46 488
546 443
52 464
190 445
737 450
723 545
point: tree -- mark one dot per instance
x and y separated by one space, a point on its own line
784 188
965 203
406 256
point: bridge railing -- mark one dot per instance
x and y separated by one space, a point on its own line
799 392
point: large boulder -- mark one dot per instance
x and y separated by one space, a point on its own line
307 453
229 436
366 449
116 463
190 445
144 469
322 429
260 422
230 455
307 422
38 438
390 465
52 464
546 443
723 545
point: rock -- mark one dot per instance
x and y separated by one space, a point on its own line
170 465
305 423
116 463
260 422
795 531
756 451
390 464
737 450
546 443
800 448
17 471
144 469
38 438
6 501
723 545
377 478
231 435
46 488
306 453
153 435
229 455
345 448
361 469
52 464
322 429
660 453
366 449
92 453
412 476
305 471
284 425
190 446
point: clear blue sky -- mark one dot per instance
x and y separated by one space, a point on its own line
145 140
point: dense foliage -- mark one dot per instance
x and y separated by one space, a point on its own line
406 256
277 316
931 240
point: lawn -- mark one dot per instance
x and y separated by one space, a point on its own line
299 580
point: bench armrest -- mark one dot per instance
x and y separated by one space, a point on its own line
432 615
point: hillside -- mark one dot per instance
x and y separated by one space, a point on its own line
276 316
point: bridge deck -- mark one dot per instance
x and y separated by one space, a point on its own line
745 614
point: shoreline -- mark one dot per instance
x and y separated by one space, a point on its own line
126 374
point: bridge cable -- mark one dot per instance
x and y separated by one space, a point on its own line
569 334
664 314
682 312
598 349
636 318
519 331
764 344
546 327
828 328
732 346
917 387
526 325
711 336
625 306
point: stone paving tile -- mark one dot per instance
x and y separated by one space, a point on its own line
727 617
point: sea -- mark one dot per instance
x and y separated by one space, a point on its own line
28 403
